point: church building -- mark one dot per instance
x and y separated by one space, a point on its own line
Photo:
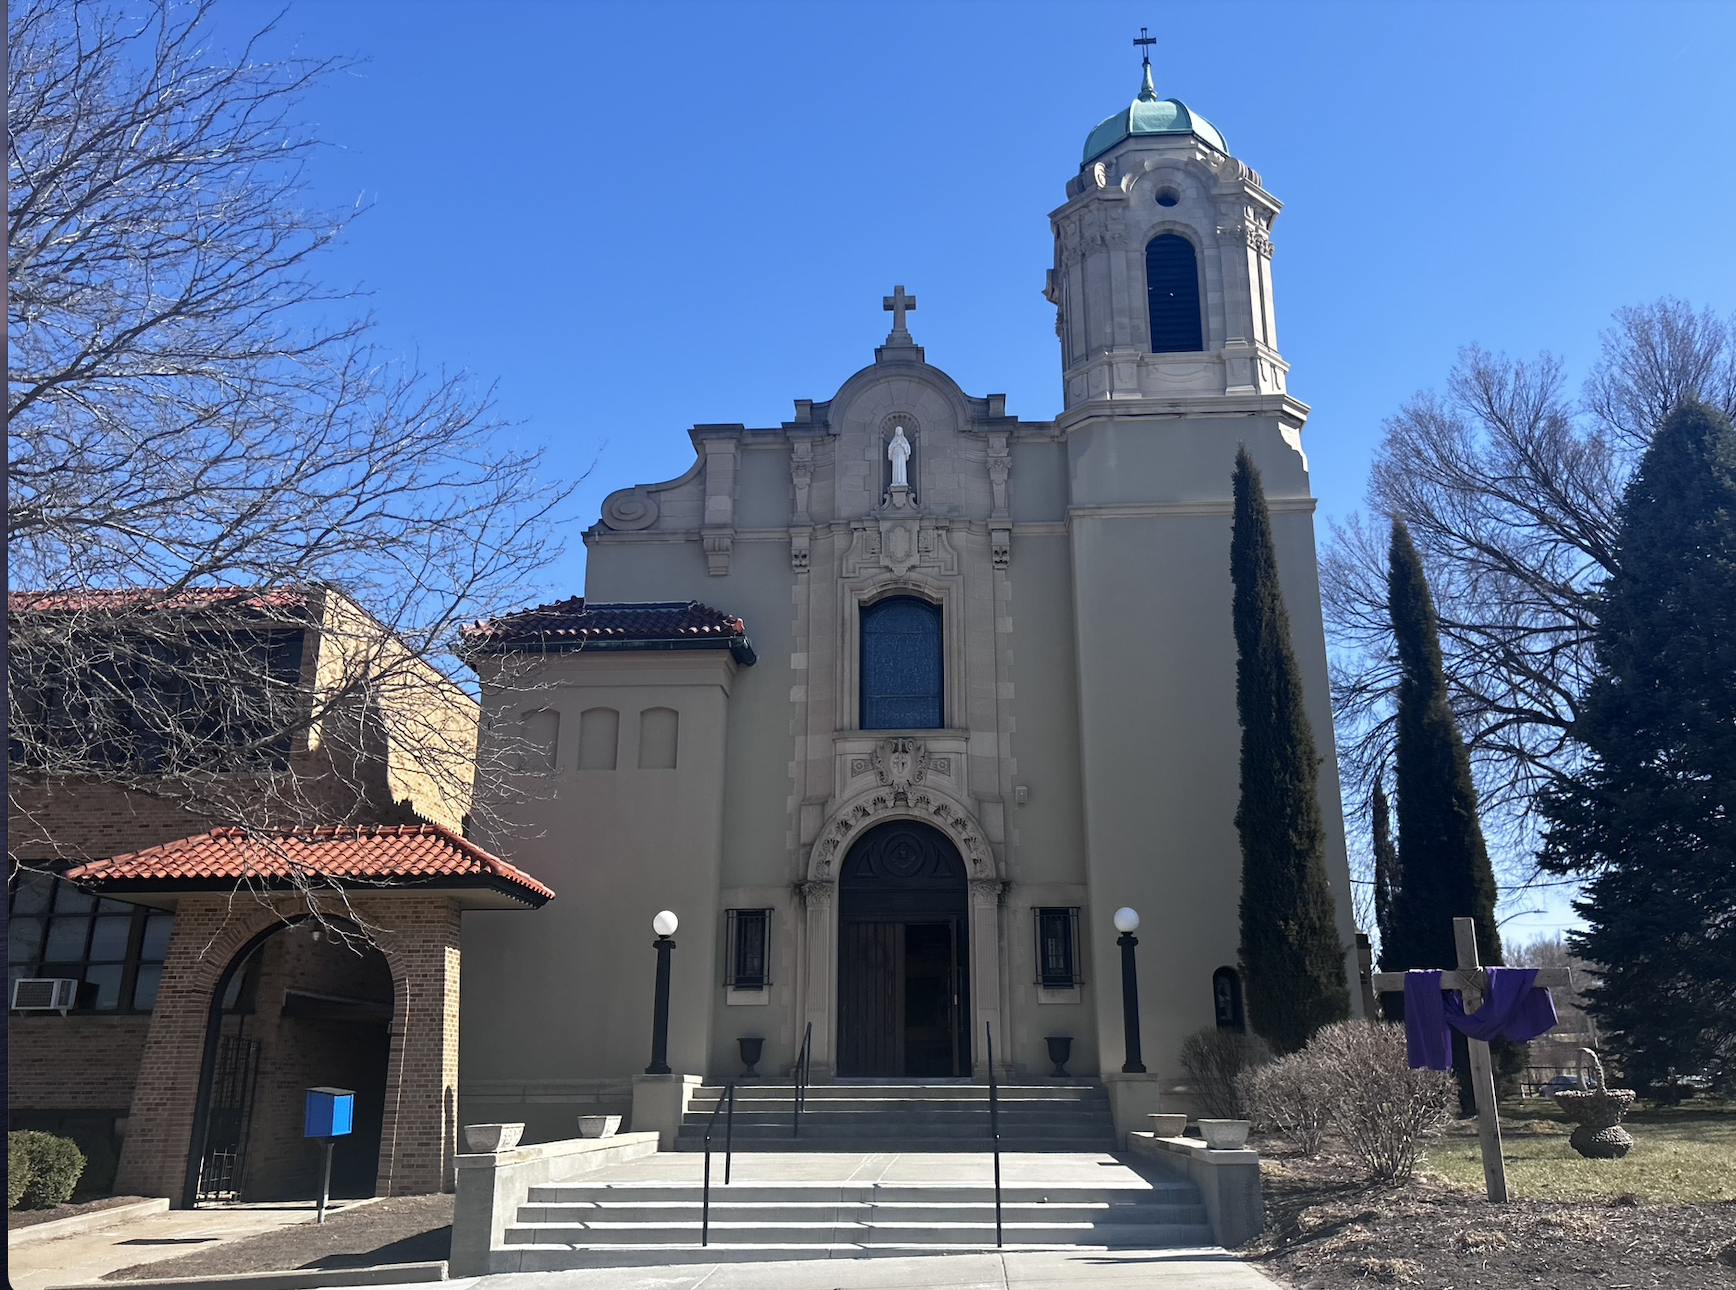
896 703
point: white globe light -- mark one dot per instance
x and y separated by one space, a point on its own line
1126 920
665 923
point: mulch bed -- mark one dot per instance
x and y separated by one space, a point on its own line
31 1217
403 1229
1326 1232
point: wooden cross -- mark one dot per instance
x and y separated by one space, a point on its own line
1145 41
898 302
1471 981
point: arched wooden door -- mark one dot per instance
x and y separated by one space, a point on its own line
902 955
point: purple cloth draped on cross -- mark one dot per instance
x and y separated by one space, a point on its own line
1513 1007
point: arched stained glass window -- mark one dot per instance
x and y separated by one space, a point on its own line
1172 288
901 665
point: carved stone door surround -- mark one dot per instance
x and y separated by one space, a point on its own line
901 777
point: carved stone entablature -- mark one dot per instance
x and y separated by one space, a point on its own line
923 803
900 540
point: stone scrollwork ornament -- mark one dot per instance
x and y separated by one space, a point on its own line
628 510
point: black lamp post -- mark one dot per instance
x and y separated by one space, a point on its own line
1127 923
664 925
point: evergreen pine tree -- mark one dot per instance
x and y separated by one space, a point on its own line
1385 872
1652 815
1292 959
1443 866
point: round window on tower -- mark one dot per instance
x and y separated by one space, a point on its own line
1167 197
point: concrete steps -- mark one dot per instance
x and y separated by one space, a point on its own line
905 1116
625 1224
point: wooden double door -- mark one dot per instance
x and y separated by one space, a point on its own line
902 986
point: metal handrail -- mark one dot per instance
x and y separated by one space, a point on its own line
728 1095
804 1065
994 1127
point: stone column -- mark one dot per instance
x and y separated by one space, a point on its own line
821 998
985 976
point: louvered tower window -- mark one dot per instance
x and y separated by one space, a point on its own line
1172 288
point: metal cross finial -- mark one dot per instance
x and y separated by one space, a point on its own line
1146 41
897 303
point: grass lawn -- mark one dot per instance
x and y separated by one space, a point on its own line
1684 1154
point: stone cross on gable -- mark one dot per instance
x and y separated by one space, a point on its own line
897 303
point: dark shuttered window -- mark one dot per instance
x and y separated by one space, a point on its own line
901 665
1172 288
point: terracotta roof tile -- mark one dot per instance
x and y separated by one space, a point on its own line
371 855
152 598
574 624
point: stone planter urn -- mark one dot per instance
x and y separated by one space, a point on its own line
1225 1135
598 1126
1166 1124
486 1139
1598 1112
752 1050
1060 1052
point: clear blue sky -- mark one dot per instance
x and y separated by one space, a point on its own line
637 217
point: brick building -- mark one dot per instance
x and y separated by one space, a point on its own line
216 972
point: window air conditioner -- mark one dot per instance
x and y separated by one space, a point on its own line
45 994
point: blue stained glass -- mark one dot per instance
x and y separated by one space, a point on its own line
901 665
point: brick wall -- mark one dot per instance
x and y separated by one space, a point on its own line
71 1063
77 821
419 936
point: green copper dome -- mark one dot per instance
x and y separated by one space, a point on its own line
1149 114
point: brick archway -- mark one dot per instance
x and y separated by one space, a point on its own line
418 934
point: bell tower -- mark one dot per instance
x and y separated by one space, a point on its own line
1169 355
1163 263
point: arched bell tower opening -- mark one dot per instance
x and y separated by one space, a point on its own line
903 984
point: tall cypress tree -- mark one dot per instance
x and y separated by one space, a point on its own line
1292 960
1443 865
1385 871
1652 815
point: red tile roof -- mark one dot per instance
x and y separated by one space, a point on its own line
573 624
394 855
152 598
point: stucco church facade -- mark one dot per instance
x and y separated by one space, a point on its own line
896 702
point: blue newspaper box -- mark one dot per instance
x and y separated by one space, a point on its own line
330 1112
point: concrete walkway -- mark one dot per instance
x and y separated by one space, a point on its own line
87 1256
1035 1270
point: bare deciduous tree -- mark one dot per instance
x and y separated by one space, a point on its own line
1510 491
241 535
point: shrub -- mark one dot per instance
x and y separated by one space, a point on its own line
1382 1107
1288 1096
1212 1059
17 1173
53 1166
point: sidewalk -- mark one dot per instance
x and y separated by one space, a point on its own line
1035 1270
87 1256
